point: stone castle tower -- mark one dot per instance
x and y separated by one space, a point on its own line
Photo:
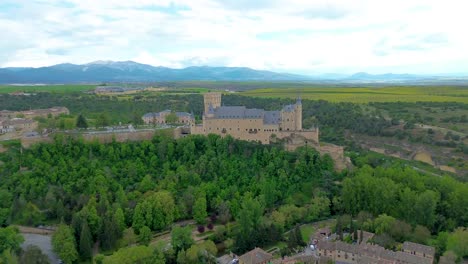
298 114
211 99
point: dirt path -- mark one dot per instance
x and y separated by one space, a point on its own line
34 230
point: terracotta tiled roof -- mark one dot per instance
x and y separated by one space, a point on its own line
255 256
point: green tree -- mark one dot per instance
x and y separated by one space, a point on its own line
110 232
86 241
425 208
182 257
400 231
81 122
131 255
6 199
145 236
421 234
383 224
103 120
224 213
63 243
120 219
34 255
157 211
8 257
136 119
181 238
172 118
199 210
249 220
458 242
204 252
10 238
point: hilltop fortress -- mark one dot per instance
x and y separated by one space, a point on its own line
255 124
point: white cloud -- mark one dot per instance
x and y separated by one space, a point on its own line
419 36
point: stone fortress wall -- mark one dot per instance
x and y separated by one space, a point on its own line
27 142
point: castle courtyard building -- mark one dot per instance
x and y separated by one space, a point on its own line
160 117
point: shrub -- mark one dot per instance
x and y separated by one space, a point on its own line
201 229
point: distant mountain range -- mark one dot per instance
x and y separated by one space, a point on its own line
129 71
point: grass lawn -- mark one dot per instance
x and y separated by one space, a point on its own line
205 234
276 247
306 232
369 94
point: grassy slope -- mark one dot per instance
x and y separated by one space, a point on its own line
365 95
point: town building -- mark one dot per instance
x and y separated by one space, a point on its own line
256 256
22 124
5 127
254 124
341 252
419 250
53 112
161 117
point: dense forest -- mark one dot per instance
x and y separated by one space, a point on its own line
119 194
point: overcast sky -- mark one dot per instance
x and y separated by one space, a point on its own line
297 36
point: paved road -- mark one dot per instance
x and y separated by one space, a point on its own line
43 242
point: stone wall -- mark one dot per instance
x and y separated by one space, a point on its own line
181 132
120 136
337 154
26 142
294 140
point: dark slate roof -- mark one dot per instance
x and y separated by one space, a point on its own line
230 112
151 115
272 117
238 112
288 108
254 113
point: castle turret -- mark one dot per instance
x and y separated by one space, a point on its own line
298 113
213 99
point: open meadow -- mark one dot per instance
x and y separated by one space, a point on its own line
368 94
65 88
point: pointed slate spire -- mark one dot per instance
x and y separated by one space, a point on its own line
210 109
299 100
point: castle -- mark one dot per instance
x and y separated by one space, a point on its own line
254 124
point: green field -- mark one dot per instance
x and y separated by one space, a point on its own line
46 88
366 95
